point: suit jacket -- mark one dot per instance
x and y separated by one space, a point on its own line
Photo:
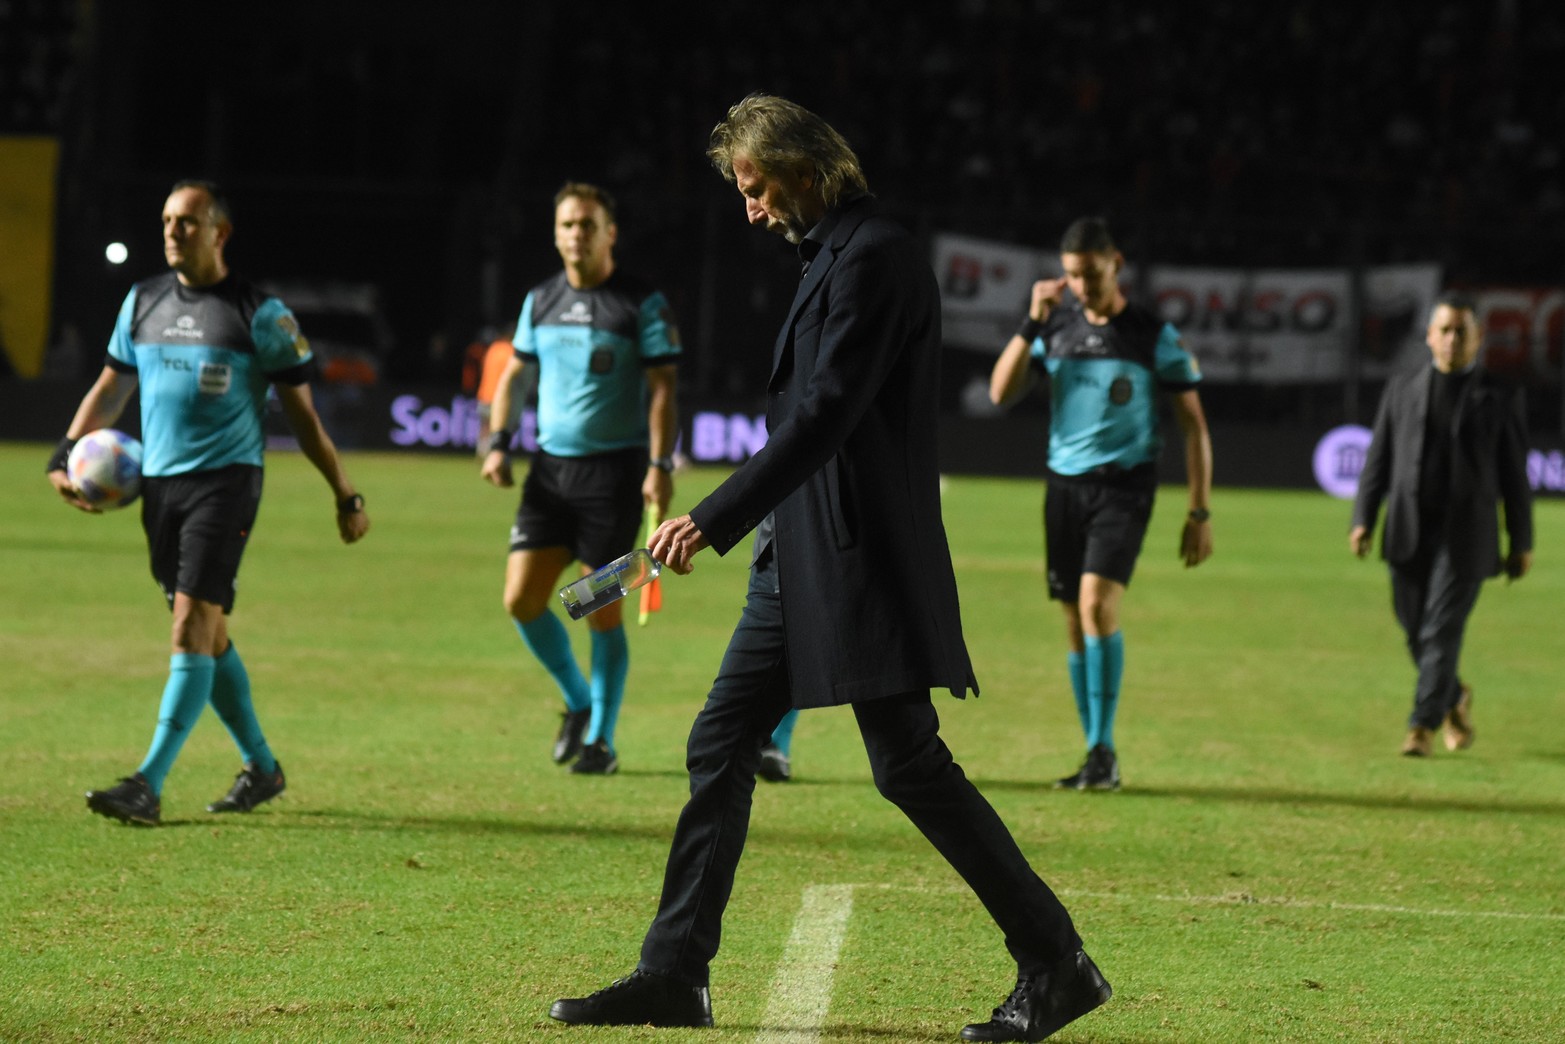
849 474
1488 466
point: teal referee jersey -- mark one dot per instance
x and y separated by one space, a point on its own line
591 348
204 358
1102 386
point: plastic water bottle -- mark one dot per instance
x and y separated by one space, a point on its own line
610 583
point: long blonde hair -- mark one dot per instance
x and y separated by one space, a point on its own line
776 134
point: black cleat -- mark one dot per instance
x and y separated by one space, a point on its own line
596 760
1072 781
251 787
639 999
1042 1004
567 744
774 765
131 800
1101 772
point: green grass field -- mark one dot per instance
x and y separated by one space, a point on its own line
1271 871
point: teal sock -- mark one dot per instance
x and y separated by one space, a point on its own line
1093 673
610 665
782 735
1113 671
231 700
184 698
548 641
1077 664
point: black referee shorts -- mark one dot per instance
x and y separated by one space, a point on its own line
1092 527
197 526
590 505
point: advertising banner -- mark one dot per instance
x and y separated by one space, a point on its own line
1396 306
1524 331
985 286
1259 326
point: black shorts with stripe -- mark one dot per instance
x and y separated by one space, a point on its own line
197 526
591 505
1094 527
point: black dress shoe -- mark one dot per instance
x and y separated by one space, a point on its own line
639 999
1042 1004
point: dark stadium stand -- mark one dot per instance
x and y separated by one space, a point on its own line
1295 134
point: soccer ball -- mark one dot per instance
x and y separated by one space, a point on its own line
105 468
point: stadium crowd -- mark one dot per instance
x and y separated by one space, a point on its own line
1297 134
1395 109
36 64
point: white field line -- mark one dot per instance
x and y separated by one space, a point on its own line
801 993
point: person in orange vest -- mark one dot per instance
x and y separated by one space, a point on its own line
495 359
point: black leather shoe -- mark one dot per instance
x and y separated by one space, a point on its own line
639 999
1042 1004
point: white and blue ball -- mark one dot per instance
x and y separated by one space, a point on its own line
105 468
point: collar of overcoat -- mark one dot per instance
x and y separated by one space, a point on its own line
842 222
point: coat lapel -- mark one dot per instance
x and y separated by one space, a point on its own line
851 217
807 287
1418 412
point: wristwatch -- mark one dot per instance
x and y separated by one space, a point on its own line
1200 515
662 464
351 504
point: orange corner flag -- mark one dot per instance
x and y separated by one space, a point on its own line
652 593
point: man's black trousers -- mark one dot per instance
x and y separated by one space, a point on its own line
912 768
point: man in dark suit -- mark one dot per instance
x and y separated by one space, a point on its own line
1450 442
852 598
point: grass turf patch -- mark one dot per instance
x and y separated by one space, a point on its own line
1271 871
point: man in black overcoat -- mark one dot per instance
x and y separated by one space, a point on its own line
852 598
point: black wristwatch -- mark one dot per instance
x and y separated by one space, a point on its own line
662 464
351 504
1200 515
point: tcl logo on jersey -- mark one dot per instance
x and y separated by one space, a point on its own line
577 313
185 327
